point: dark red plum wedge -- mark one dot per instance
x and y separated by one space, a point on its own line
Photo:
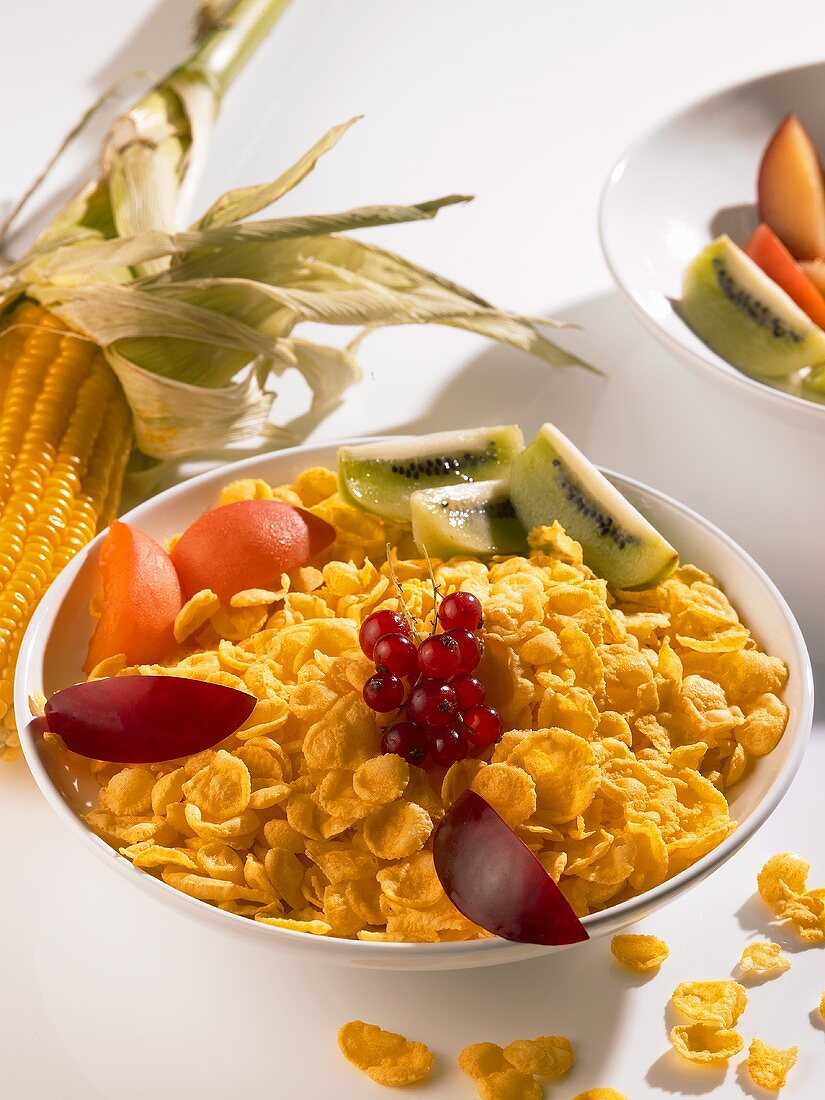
146 719
495 880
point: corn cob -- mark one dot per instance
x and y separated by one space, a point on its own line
65 436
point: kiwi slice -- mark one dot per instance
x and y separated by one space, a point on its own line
552 480
744 316
477 519
381 477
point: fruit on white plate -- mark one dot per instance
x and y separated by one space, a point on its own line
766 250
552 480
791 190
381 477
745 316
815 270
477 519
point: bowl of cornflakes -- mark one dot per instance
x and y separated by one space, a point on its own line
575 697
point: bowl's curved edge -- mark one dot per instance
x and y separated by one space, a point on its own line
708 364
407 955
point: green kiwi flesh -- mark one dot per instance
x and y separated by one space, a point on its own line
552 480
381 477
744 316
478 520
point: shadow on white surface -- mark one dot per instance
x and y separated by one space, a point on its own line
155 46
755 916
673 1074
227 997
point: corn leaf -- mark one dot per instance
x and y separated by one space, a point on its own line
173 419
328 371
110 313
243 202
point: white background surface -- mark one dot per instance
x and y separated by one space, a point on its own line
527 105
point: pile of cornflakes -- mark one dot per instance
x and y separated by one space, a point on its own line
628 715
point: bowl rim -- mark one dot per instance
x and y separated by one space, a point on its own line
706 361
625 912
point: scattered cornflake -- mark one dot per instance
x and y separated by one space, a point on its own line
763 960
822 1006
782 883
509 1084
639 953
706 1043
717 1004
387 1058
768 1066
783 876
601 1094
548 1056
482 1059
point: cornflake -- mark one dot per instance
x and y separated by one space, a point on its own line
718 1004
385 1057
763 960
627 718
549 1056
639 953
509 1085
768 1066
600 1094
706 1043
782 883
482 1059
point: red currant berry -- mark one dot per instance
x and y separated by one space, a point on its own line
383 692
397 654
469 691
460 609
439 657
407 740
447 746
380 622
432 704
469 649
482 725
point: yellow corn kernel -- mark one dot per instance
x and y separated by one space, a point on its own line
65 437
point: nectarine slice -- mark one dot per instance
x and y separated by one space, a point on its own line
792 192
492 877
248 544
766 249
145 719
141 595
815 270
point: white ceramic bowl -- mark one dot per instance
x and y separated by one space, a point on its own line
57 636
690 178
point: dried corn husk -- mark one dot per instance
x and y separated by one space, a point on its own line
198 322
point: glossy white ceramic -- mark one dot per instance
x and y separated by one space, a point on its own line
56 641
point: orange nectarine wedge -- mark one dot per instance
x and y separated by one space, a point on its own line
815 270
792 192
248 544
141 595
766 250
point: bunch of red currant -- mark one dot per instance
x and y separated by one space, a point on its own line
441 707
